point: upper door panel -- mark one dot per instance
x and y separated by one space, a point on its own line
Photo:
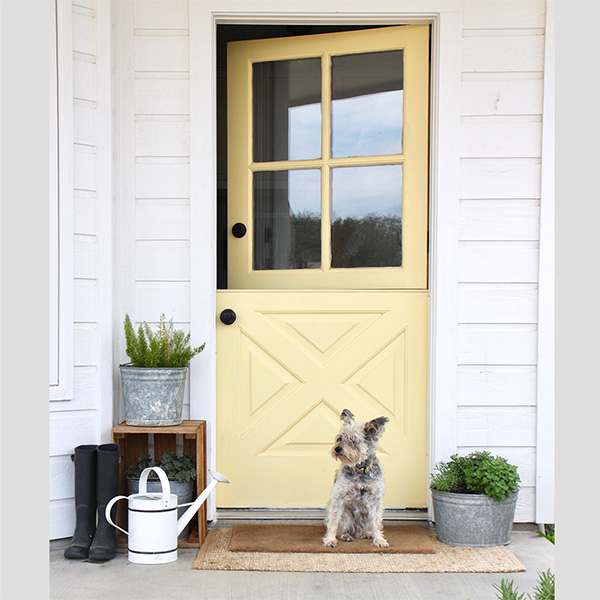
328 160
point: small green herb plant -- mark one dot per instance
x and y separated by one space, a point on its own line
476 473
178 468
544 590
167 347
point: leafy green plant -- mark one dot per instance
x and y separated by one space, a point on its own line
544 589
507 591
548 532
178 468
476 473
167 347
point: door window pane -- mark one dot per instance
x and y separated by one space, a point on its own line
286 110
366 216
367 93
287 219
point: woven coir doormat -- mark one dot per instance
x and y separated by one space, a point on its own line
308 538
216 555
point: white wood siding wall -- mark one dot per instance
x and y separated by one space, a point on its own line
501 108
155 166
85 418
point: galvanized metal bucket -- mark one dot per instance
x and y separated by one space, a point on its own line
473 519
183 491
153 396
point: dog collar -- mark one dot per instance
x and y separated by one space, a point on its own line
364 469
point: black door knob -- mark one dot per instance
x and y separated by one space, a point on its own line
239 230
228 316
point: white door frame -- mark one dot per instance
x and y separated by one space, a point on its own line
445 16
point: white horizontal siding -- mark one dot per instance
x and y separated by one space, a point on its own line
497 303
85 257
500 426
165 219
151 296
84 213
161 52
497 344
499 220
62 472
499 178
85 304
162 138
496 385
508 14
500 146
501 137
84 80
163 261
61 516
503 53
79 420
162 96
508 96
84 168
498 262
155 179
155 166
71 429
156 14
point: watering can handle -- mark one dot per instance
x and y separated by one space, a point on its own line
108 508
166 488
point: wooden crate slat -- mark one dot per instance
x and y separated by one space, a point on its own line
166 442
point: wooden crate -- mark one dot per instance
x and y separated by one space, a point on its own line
134 440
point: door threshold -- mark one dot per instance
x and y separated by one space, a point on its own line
308 514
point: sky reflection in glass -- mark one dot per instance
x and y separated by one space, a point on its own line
368 125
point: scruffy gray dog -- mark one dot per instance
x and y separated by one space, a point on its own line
355 508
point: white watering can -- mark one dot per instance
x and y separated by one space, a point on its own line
153 524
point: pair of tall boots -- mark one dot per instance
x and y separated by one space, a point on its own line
96 482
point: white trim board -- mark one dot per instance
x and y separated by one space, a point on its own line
64 388
544 498
446 19
104 191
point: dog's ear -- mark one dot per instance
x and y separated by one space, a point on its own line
346 415
374 429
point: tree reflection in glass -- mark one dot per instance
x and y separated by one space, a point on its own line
287 219
366 216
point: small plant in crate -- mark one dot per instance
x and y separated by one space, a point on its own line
177 468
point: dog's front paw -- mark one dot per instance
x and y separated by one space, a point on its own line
380 542
329 542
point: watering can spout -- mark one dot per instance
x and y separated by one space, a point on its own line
186 517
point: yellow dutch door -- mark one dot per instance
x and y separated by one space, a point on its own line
327 262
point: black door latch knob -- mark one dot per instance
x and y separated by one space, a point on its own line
228 316
239 230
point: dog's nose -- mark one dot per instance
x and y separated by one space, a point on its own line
338 449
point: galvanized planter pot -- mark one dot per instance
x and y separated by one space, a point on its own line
473 519
153 396
183 491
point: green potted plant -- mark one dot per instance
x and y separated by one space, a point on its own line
153 383
181 472
474 499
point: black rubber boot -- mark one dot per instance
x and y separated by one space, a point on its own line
85 502
104 546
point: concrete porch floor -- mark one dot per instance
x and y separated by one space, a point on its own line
118 579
